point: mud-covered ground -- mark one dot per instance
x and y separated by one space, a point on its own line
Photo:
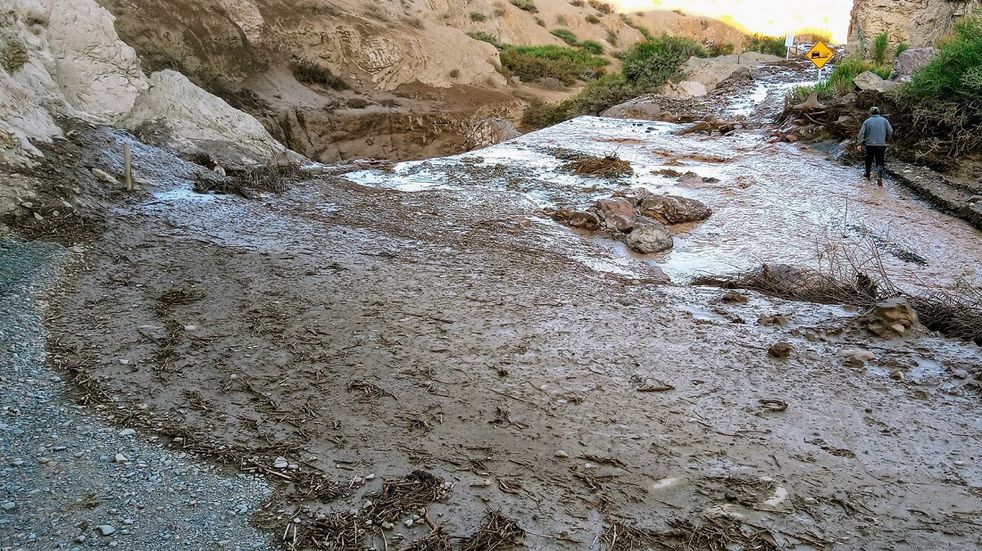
353 331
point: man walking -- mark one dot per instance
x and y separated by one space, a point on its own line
874 135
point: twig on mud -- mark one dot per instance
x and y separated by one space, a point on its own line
529 402
496 532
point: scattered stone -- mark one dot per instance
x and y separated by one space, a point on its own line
106 530
127 432
120 458
856 357
733 297
280 463
650 238
8 505
408 522
585 220
388 526
780 350
561 454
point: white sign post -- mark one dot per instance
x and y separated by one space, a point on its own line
788 44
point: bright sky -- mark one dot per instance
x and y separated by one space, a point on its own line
771 17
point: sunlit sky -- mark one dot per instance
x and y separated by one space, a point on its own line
771 17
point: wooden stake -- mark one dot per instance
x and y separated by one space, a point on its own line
128 167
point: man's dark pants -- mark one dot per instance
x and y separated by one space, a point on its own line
875 153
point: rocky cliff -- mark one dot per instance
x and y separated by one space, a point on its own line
918 23
347 78
62 60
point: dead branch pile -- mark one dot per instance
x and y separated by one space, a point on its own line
706 534
801 284
496 532
608 166
408 493
955 313
337 532
436 540
272 176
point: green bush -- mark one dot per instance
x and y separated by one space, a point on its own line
592 19
901 48
566 64
654 62
647 65
716 50
880 44
773 45
611 37
955 73
485 37
527 5
565 35
592 46
478 16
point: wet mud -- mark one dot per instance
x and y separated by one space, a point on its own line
355 330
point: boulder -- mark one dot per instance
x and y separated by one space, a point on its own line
638 109
176 113
910 61
488 132
649 238
892 318
671 209
620 223
684 89
635 195
616 205
712 71
869 80
584 220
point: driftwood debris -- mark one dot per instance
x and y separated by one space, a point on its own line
810 104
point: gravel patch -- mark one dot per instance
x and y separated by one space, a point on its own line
68 479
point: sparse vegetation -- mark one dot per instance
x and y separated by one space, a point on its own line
540 22
454 73
900 49
608 166
592 46
526 5
486 37
561 20
563 63
630 23
309 72
565 35
602 7
611 37
716 50
13 56
880 44
415 22
577 3
647 65
499 10
773 45
478 16
841 80
592 19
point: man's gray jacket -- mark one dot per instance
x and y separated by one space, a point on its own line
875 131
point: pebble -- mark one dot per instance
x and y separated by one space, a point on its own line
120 458
561 454
8 505
106 530
280 463
127 432
408 522
388 526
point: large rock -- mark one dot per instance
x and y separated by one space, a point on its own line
488 132
712 71
616 205
869 80
650 238
684 89
671 209
892 318
910 61
638 109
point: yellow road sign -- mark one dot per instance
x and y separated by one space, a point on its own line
820 54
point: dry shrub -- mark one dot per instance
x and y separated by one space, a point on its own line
608 166
496 532
272 176
956 313
309 72
338 532
709 534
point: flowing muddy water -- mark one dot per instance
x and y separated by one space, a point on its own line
772 203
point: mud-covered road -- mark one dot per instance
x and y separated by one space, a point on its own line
433 320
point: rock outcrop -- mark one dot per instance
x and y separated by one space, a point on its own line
917 23
71 63
910 61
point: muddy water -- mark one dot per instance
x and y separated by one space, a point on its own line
779 203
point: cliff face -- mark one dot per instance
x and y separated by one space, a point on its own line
918 23
410 65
